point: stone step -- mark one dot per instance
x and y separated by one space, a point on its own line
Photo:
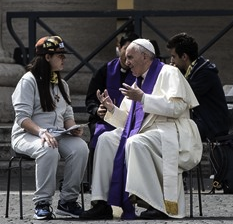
28 168
5 144
5 151
5 132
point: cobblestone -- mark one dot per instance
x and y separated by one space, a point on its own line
217 208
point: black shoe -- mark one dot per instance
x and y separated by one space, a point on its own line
43 210
152 213
99 211
72 209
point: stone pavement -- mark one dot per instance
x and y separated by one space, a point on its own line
217 208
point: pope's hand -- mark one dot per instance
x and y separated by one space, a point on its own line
105 100
132 92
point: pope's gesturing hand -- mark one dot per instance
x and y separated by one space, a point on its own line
105 99
132 92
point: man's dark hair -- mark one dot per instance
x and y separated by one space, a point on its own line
156 47
130 36
183 43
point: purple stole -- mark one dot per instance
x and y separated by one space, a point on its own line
117 194
113 83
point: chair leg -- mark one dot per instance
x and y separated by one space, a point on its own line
90 167
8 187
199 188
82 196
191 192
20 189
201 176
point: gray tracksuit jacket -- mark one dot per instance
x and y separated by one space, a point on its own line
26 103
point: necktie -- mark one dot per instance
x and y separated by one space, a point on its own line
139 81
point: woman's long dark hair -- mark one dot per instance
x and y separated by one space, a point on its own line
41 70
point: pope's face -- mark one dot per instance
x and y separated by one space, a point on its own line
135 60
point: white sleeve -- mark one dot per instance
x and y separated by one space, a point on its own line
159 105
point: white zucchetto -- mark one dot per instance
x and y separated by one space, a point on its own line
145 43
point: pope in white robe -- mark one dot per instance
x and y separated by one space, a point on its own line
168 141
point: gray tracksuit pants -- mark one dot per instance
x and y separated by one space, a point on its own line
73 150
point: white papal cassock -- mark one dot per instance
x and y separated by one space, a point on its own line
167 144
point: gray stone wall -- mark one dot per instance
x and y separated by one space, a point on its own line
202 28
84 35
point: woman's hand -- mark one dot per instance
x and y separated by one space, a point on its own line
47 137
44 135
77 132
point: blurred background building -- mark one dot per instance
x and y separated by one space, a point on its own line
91 28
86 33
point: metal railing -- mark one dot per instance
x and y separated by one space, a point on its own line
131 17
137 18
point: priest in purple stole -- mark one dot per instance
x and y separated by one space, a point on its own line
153 143
113 83
110 76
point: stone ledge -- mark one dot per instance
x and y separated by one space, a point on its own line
10 74
28 168
5 133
